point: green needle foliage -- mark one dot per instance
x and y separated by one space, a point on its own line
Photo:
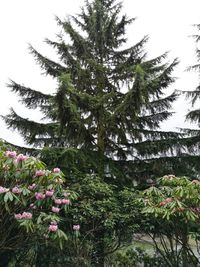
194 96
192 142
110 98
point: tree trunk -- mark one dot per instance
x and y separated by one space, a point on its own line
185 263
97 257
101 148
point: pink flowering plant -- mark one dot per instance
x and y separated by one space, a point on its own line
33 196
173 198
172 208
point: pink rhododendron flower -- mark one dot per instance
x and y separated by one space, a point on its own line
21 157
24 215
49 193
32 206
56 170
168 200
18 216
39 173
162 203
3 189
55 209
10 154
58 201
16 190
27 215
76 227
65 201
39 195
195 209
53 228
32 187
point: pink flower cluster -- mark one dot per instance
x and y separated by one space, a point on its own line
32 187
192 209
58 201
24 215
39 196
39 191
56 170
49 193
32 206
16 190
65 201
10 154
55 209
13 155
76 227
195 209
21 157
39 173
166 201
3 189
53 227
62 201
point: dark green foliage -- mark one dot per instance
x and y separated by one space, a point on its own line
192 142
170 207
137 257
193 116
108 217
110 98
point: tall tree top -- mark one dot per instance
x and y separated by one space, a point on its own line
110 98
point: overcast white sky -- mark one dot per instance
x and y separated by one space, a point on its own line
167 22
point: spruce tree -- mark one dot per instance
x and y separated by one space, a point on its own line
192 142
110 98
194 95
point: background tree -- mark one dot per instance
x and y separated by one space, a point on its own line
110 98
192 141
194 115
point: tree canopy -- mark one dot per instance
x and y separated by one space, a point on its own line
110 98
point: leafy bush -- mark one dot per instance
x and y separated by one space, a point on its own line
172 207
136 257
33 204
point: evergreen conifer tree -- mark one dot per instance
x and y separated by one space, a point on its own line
192 141
110 98
194 115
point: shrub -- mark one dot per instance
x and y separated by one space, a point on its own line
33 203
